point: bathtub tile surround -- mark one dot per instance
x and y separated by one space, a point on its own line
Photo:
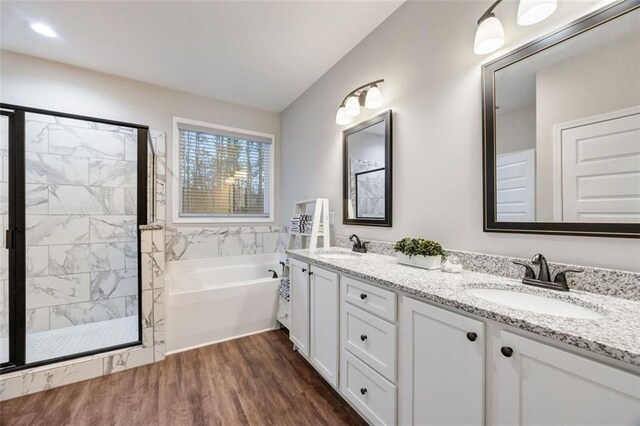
607 282
153 333
615 335
77 223
186 243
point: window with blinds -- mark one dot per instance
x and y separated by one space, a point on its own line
224 174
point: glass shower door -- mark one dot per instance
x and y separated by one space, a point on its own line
81 236
4 253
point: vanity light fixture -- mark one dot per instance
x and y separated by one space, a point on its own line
533 11
43 29
490 33
352 106
367 95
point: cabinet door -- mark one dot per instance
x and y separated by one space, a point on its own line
299 294
325 297
442 381
539 384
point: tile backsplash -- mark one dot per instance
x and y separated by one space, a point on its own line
597 280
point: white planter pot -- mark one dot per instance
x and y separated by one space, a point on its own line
425 262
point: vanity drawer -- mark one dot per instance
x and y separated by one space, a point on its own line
370 298
371 393
370 338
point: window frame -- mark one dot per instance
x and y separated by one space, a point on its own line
175 176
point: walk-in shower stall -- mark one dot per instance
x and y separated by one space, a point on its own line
73 192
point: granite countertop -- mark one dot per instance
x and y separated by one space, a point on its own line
616 335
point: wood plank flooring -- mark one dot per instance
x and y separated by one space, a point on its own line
255 380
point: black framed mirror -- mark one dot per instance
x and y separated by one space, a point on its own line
366 172
561 130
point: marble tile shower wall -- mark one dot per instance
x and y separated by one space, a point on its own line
81 255
159 141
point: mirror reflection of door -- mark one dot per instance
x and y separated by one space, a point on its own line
596 176
516 186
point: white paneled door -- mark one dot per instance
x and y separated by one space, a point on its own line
516 186
600 171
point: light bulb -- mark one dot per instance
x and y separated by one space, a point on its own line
341 116
489 36
374 98
352 106
533 11
43 29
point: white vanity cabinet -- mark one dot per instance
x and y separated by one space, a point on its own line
539 384
325 330
299 297
443 357
399 360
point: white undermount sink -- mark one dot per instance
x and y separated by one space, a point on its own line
338 256
534 303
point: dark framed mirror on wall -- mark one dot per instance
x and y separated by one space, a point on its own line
367 172
561 130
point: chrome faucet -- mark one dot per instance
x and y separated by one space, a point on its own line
544 277
358 246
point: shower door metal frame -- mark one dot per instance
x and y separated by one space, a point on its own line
17 232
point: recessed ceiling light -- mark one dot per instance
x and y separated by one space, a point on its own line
43 29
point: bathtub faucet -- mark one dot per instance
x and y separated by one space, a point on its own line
275 274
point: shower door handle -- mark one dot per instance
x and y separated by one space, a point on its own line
8 239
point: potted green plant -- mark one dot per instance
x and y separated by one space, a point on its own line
419 252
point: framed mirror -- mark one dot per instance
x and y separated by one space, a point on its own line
562 130
367 172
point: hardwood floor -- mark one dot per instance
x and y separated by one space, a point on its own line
256 380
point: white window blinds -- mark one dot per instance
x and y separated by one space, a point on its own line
224 174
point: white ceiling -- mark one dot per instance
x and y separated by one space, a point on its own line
258 53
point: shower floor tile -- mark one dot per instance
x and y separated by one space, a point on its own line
60 342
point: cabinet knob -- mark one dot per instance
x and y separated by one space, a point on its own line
363 337
363 390
363 296
506 351
310 272
304 269
472 336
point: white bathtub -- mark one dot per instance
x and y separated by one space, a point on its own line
217 299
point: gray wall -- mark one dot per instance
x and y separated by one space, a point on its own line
516 129
424 51
36 82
